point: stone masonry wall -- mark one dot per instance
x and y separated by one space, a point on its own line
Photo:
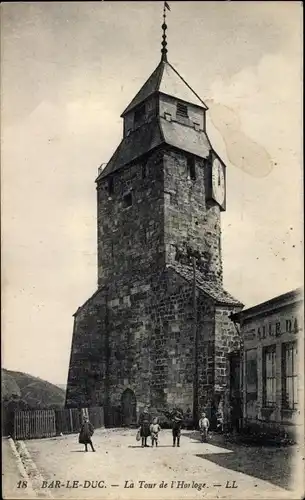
152 342
227 341
88 359
206 350
143 340
191 224
150 347
130 238
137 331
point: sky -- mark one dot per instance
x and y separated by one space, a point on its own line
68 71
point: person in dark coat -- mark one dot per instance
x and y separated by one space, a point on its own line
144 423
177 421
86 433
176 418
176 428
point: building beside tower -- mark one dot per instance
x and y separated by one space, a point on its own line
157 331
272 343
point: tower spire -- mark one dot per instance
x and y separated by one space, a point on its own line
164 28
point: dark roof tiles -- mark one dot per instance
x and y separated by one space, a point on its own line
166 79
139 142
148 136
211 288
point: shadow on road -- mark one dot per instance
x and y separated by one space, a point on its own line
276 470
269 463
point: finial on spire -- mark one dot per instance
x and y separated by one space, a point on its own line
164 28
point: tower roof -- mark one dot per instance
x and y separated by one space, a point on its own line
166 80
210 288
153 134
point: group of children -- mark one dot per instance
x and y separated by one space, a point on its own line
177 420
176 431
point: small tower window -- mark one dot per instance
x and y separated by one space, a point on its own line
110 186
191 167
144 171
127 200
139 115
146 235
182 109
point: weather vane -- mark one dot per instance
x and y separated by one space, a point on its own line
164 28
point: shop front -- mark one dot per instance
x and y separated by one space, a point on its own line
272 338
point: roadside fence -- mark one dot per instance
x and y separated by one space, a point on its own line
31 424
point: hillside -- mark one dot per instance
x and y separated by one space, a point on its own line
35 392
62 386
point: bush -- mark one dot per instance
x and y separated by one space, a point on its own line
262 434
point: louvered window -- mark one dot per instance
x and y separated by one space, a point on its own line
182 109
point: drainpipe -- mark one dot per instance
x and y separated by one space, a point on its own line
108 412
241 368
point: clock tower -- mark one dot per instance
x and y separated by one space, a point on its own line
157 330
216 182
166 167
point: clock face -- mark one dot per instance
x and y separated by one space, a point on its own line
218 182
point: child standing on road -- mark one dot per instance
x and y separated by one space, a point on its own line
204 425
177 420
154 432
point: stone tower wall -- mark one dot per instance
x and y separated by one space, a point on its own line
190 223
130 238
137 331
87 376
143 340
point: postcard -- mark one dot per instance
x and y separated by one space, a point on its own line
152 330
